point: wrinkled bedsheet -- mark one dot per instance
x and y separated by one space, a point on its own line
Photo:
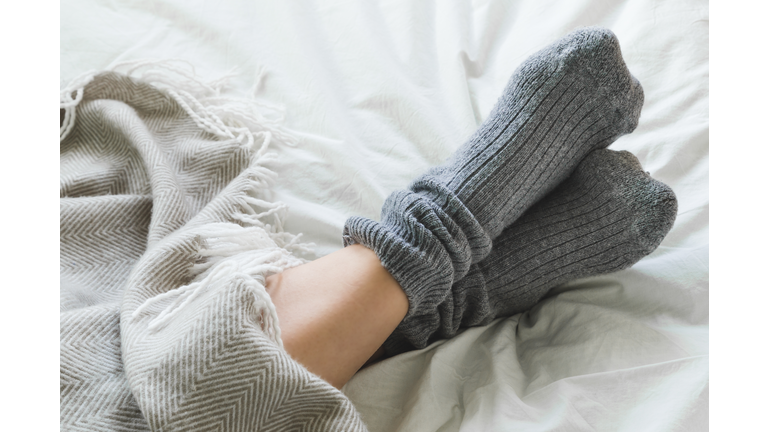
379 91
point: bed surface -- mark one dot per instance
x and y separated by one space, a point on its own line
379 91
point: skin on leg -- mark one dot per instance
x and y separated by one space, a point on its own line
336 312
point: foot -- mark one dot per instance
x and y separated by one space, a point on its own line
568 99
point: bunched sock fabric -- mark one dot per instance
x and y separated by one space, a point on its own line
566 100
605 217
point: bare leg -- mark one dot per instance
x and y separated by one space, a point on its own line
337 311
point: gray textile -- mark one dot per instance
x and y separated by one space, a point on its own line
566 100
605 217
150 205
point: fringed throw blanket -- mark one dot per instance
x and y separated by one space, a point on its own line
166 240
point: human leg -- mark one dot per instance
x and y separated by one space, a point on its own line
567 100
336 311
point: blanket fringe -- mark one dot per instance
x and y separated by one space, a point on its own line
254 245
69 97
224 116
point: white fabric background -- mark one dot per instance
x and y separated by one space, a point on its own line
378 91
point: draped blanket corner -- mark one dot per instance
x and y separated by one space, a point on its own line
167 235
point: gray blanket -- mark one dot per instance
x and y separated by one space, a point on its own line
166 238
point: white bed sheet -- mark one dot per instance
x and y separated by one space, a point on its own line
379 91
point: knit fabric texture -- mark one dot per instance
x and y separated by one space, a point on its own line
166 238
572 97
605 217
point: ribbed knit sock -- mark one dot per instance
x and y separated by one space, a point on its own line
566 100
605 217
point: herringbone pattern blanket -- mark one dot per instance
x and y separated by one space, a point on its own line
166 238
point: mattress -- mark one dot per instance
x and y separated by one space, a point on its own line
376 92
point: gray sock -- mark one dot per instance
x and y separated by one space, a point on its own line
568 99
605 217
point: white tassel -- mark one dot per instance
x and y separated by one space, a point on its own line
69 103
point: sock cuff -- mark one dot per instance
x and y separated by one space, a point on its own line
435 191
427 239
424 274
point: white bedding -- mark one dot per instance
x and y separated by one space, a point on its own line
378 91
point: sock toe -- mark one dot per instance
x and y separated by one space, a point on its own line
653 203
596 51
659 210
